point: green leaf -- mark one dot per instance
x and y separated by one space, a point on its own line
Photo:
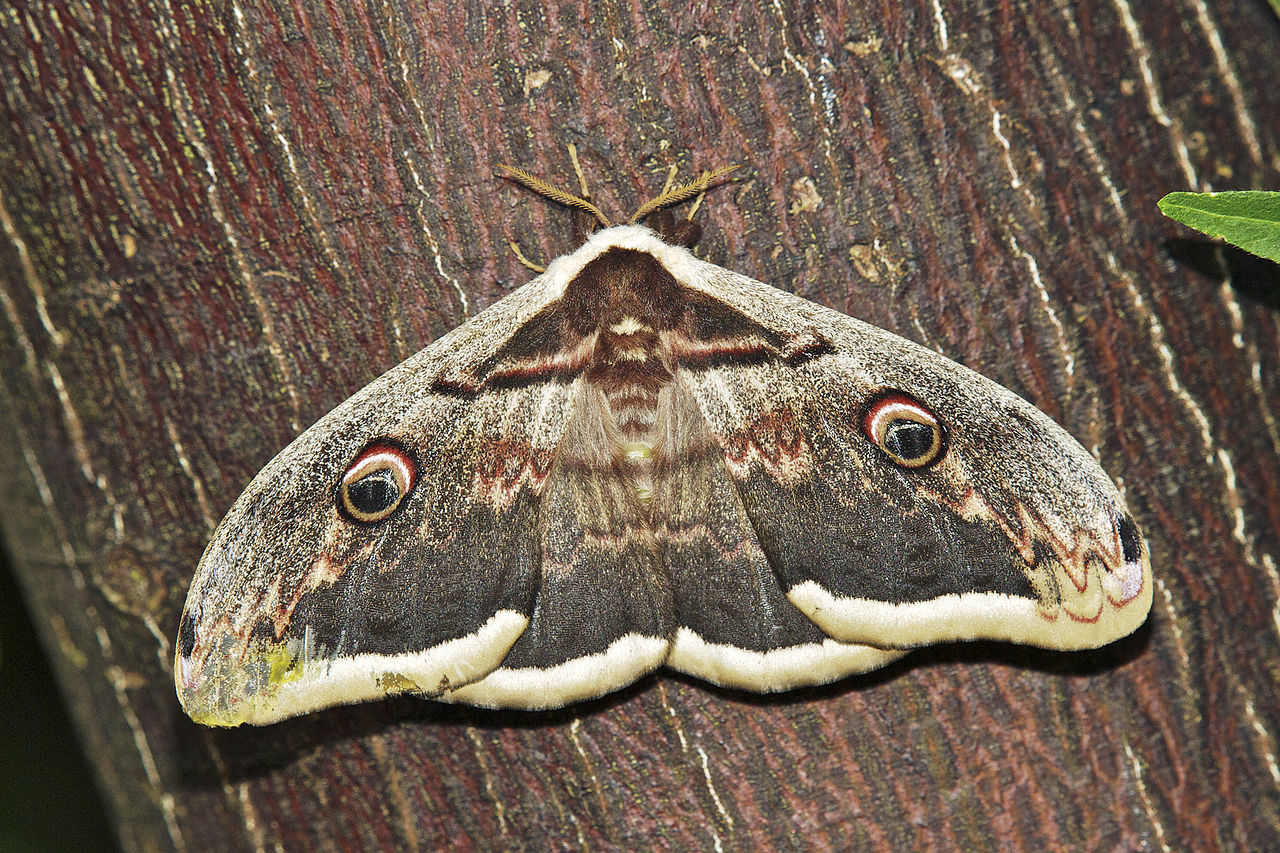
1248 219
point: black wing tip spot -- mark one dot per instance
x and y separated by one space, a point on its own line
186 635
1130 540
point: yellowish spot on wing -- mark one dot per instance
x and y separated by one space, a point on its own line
639 453
284 666
394 682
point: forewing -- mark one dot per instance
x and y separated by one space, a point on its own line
1015 533
296 607
736 627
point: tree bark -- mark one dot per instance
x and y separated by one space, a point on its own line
221 219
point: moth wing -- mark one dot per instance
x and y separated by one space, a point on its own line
736 627
296 607
603 614
1015 534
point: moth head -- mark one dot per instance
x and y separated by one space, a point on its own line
376 483
904 429
677 232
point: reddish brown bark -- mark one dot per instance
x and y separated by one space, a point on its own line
217 220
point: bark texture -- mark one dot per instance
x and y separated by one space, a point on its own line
219 219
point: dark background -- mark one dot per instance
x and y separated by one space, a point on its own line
47 797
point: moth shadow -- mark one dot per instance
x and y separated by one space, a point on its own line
1253 278
484 719
249 752
1086 663
799 695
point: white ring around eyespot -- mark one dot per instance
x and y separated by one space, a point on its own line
890 408
898 406
372 461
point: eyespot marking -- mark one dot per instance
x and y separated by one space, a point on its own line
376 483
186 635
905 430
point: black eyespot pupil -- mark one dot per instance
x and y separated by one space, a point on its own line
374 493
907 439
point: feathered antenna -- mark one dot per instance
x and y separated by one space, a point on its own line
682 192
543 188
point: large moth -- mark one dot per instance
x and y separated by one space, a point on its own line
642 459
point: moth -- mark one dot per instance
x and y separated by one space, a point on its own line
641 459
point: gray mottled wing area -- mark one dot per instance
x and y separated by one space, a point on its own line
1015 534
736 627
603 612
294 607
